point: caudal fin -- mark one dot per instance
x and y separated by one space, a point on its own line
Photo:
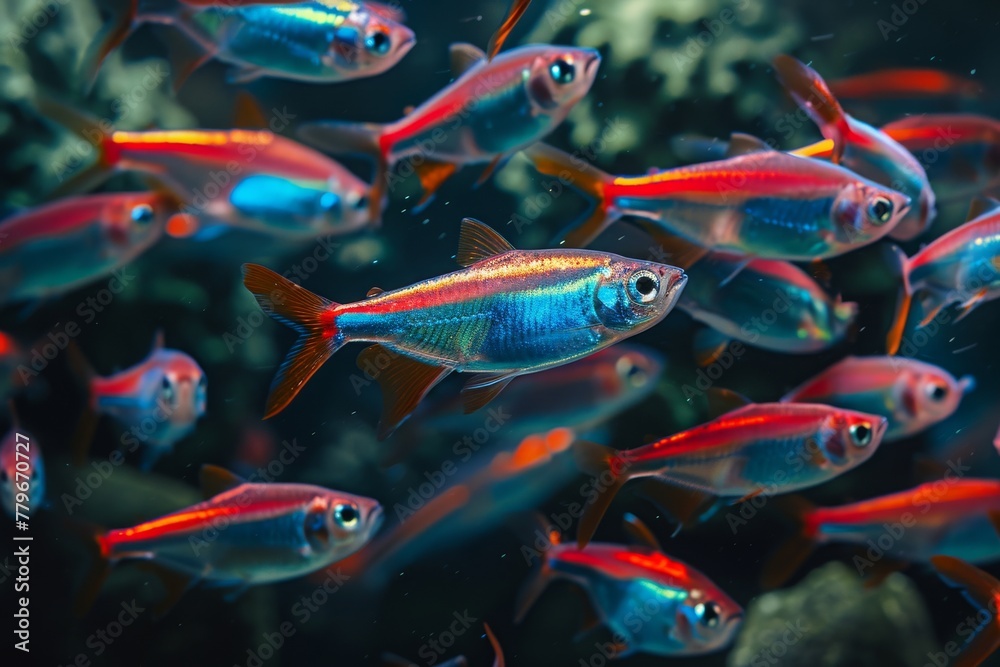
813 96
582 176
354 139
110 38
307 313
790 556
609 469
903 302
100 566
88 128
984 591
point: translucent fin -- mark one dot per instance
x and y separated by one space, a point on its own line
464 57
814 97
482 389
214 480
477 241
404 383
514 14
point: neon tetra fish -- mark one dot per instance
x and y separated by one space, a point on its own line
963 267
507 313
272 532
690 614
159 400
905 83
861 147
492 110
951 517
22 472
322 41
277 186
760 448
758 203
911 394
54 248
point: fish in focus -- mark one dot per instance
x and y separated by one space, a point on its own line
269 533
737 299
22 472
954 516
492 109
652 603
159 401
912 395
93 236
760 448
758 202
250 179
962 266
508 312
980 636
860 147
321 41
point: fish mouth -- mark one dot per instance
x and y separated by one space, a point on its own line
592 62
406 44
376 518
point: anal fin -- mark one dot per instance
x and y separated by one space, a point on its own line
404 382
482 389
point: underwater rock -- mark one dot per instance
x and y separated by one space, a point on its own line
830 620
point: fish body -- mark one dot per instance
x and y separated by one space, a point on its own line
862 148
911 394
763 204
493 109
92 236
729 295
962 266
507 313
250 534
22 473
159 399
315 41
652 603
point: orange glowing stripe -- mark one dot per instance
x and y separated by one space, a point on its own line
657 563
178 521
195 137
822 148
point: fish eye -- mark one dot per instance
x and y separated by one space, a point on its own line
635 374
346 516
562 72
142 214
880 210
937 392
362 203
643 286
861 434
709 614
378 42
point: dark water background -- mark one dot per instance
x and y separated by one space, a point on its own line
194 295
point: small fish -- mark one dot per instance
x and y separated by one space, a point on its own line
493 109
981 637
758 203
22 472
250 179
92 236
262 533
732 296
507 313
960 152
759 448
905 83
159 400
954 516
963 267
911 394
652 603
320 41
861 147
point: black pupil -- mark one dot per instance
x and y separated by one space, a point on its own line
347 514
938 393
645 285
711 615
378 42
882 209
861 433
562 71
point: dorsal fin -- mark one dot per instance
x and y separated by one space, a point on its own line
742 144
375 291
214 480
639 532
981 205
722 401
247 113
158 340
476 242
514 14
464 57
